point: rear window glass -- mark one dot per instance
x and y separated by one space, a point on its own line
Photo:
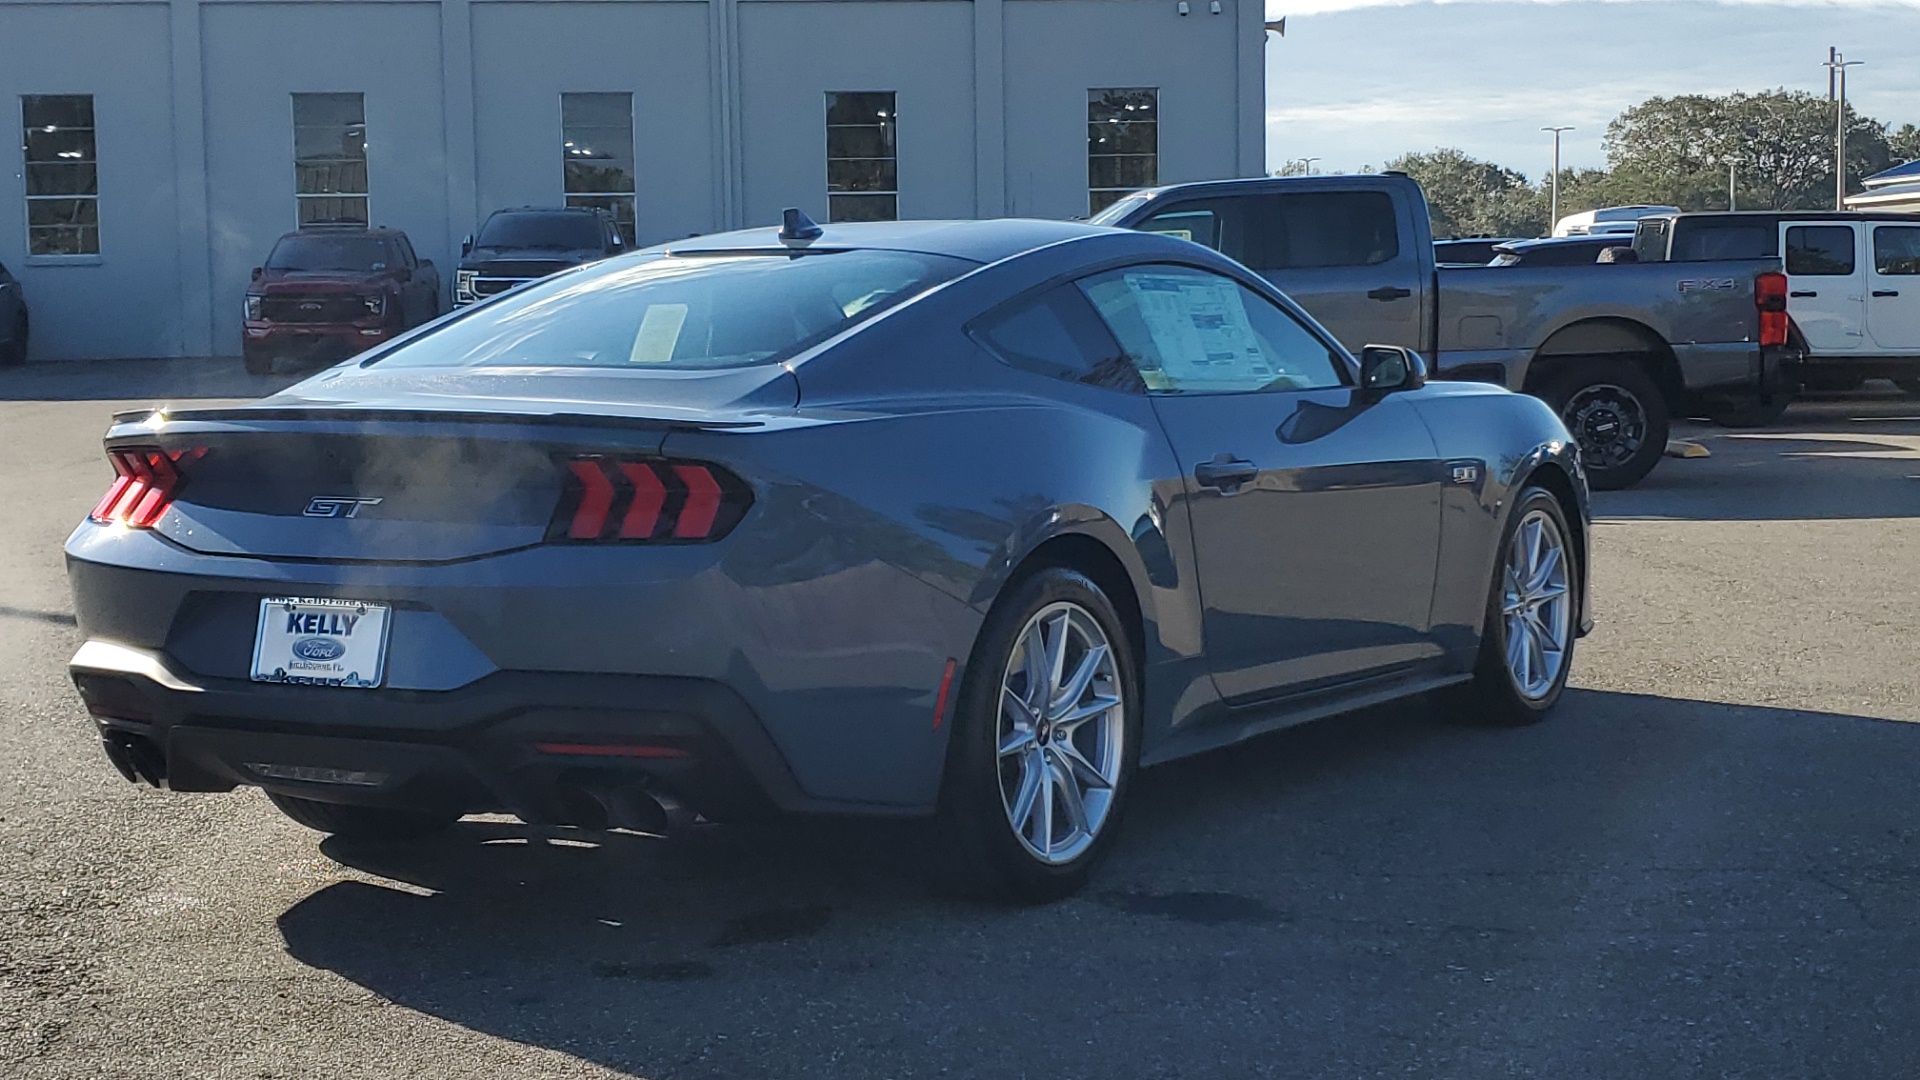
1896 250
1709 240
573 232
313 253
1820 250
680 312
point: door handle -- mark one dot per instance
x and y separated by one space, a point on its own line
1225 473
1389 292
1886 292
1804 292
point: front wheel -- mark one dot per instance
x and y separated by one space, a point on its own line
15 350
1532 620
1045 741
362 822
257 363
1616 413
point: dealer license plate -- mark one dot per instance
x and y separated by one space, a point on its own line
320 642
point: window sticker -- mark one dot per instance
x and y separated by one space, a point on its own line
659 333
1199 325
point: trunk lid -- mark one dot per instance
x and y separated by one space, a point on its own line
421 465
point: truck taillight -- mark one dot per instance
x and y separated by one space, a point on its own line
1770 296
644 500
146 480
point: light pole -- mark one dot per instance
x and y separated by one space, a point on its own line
1733 201
1306 165
1838 67
1553 210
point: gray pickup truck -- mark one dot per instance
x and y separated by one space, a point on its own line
1617 348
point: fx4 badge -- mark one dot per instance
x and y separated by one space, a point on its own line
337 506
1687 285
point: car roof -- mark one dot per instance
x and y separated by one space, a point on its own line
1795 215
589 210
337 228
976 241
1608 239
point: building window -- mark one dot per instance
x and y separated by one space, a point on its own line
1123 143
863 174
330 158
597 151
63 184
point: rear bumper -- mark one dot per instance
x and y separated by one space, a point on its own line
1866 367
1739 370
517 742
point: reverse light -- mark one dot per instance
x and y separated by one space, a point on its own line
1770 296
647 500
146 480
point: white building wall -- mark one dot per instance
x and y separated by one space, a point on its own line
194 112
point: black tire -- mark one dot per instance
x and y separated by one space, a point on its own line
987 857
363 822
1909 387
1752 413
15 350
257 363
1617 414
1494 697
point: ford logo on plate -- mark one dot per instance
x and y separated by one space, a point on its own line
318 648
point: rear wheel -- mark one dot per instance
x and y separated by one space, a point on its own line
15 350
1045 741
362 822
1616 413
1533 615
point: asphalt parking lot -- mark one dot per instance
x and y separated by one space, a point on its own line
1703 865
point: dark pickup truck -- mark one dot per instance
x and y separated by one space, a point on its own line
328 292
518 246
1618 349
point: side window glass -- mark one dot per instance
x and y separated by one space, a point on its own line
1188 331
1058 335
1318 229
1896 250
407 257
1820 250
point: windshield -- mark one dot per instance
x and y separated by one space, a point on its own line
569 232
668 313
311 253
1118 210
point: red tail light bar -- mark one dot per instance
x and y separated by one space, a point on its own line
146 480
1770 296
641 500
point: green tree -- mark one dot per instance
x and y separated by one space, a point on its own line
1904 143
1677 150
1470 197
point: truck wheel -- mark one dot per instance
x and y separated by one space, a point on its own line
257 363
1909 387
362 822
1616 413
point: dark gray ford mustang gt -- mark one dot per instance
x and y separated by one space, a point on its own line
959 519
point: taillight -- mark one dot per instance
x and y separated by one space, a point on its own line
146 480
1770 296
647 500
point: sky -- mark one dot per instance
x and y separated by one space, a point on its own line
1356 82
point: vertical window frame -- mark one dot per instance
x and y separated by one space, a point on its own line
1107 137
840 193
614 202
84 203
302 199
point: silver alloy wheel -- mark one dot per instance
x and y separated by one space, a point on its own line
1536 604
1061 732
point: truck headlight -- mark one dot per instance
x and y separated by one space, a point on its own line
463 286
253 308
376 305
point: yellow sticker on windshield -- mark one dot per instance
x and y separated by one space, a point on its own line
659 333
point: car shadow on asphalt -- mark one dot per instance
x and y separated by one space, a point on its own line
1344 896
1831 459
156 381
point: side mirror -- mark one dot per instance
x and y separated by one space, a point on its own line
259 272
1387 368
466 246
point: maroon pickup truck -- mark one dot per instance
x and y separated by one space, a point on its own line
328 292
